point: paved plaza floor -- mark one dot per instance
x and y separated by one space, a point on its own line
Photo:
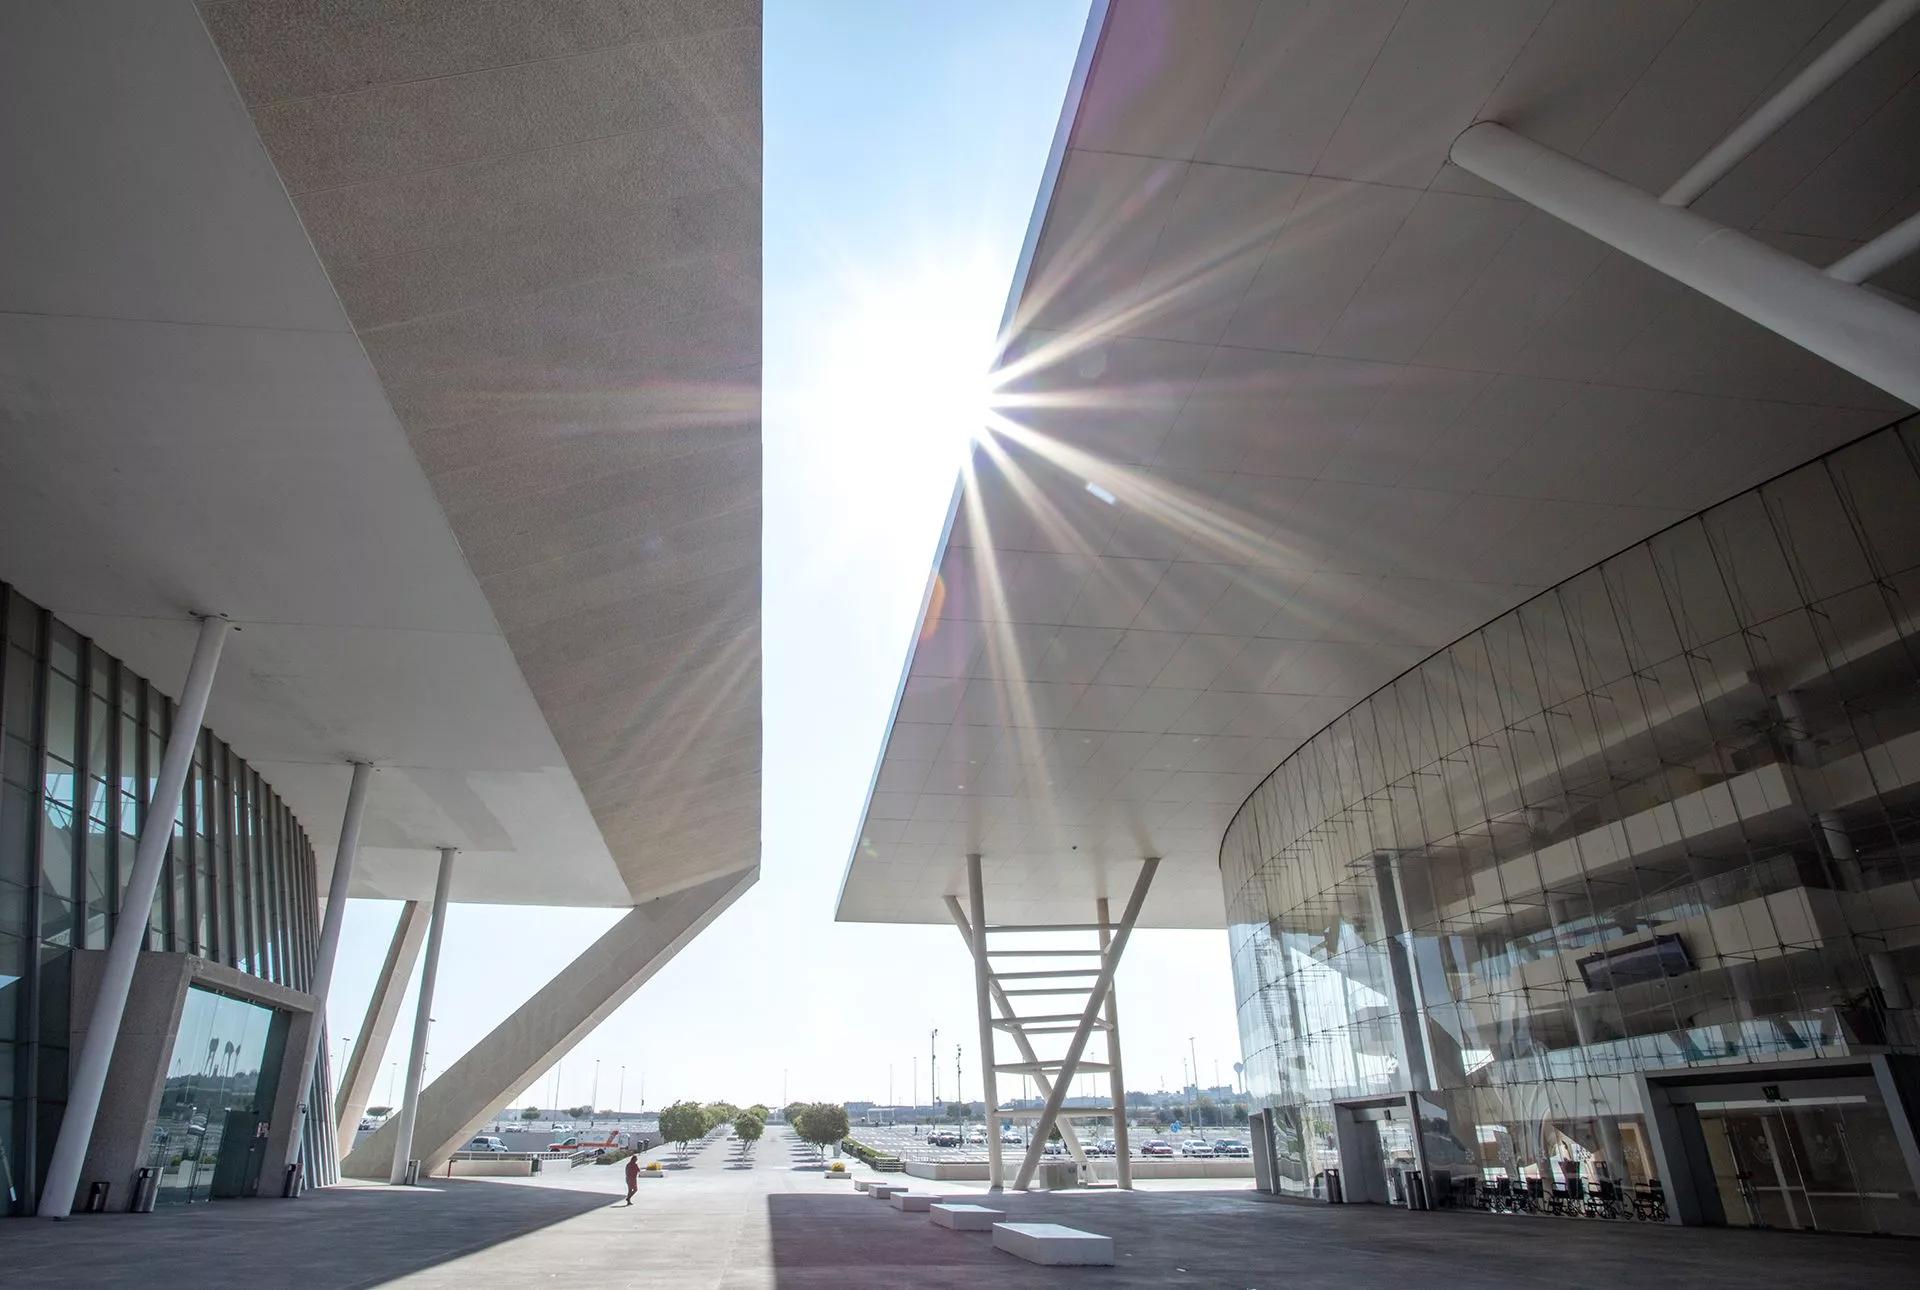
765 1223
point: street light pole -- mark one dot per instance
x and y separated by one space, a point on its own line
622 1099
593 1111
1194 1054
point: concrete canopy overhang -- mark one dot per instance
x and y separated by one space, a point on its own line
1290 402
423 343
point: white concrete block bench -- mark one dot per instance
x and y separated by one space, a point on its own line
885 1191
964 1218
1054 1245
912 1202
862 1184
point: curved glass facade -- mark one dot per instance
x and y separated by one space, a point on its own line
1657 826
83 737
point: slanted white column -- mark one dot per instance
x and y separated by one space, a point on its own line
1077 1046
1116 1078
327 948
1851 327
1885 251
422 1018
130 928
383 1009
470 1092
989 1085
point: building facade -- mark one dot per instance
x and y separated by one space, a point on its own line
233 925
1612 906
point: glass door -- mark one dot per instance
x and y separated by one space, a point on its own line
1831 1166
220 1084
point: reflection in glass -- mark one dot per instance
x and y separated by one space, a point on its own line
1663 816
210 1139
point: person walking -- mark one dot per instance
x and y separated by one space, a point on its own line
633 1175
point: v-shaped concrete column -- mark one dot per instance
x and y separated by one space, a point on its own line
564 1011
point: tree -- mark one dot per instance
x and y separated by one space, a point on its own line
760 1112
580 1112
791 1112
821 1123
531 1114
682 1122
379 1110
748 1127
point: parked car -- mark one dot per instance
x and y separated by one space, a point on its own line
1157 1147
1196 1148
486 1142
976 1137
1104 1147
943 1138
1012 1139
1054 1149
1230 1148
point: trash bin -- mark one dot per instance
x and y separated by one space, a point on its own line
146 1190
97 1197
412 1177
290 1189
1334 1196
1416 1189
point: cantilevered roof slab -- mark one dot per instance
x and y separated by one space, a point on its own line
423 342
1289 402
544 225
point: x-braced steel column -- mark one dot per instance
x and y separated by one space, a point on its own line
989 1085
1078 1044
130 928
1020 1041
1116 1079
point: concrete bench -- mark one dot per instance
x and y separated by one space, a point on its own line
912 1202
862 1184
1053 1245
965 1218
884 1191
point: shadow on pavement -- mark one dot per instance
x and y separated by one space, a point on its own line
334 1238
1245 1239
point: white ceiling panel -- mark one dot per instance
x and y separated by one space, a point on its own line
1304 404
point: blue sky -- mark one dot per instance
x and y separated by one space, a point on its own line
904 147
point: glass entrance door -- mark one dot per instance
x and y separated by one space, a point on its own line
1814 1166
209 1139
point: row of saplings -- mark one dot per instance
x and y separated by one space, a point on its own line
682 1123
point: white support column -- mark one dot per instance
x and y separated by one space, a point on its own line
376 1028
326 950
1885 251
1078 1044
130 928
423 1018
1020 1041
989 1086
1116 1078
1849 326
1758 126
472 1089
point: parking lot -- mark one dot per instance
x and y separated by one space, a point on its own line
910 1142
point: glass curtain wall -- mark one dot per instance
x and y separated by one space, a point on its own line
1663 816
81 737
